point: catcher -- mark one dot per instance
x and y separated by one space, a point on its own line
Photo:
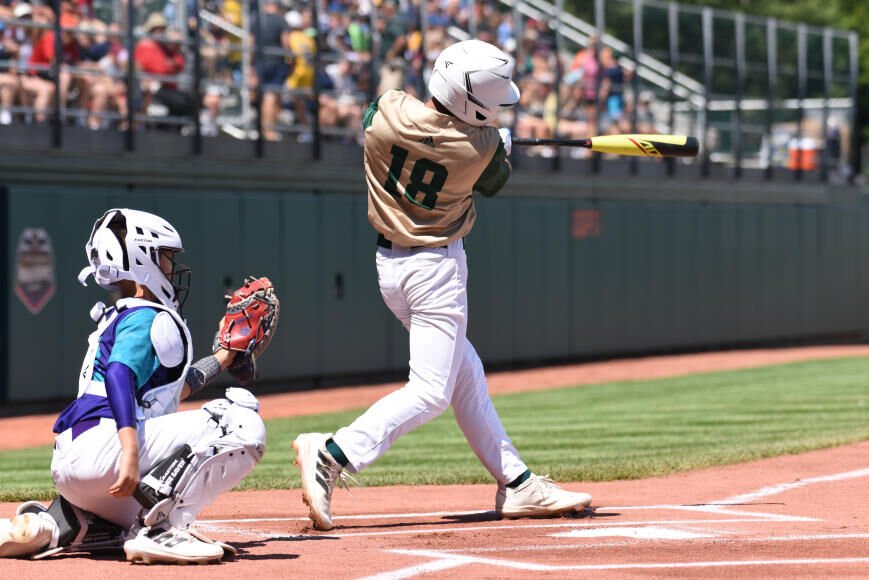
130 470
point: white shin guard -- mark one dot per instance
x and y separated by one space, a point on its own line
216 468
232 457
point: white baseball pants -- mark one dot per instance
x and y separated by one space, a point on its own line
426 290
85 468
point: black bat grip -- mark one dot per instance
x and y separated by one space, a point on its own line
557 142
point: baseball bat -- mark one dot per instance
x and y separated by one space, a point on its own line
634 145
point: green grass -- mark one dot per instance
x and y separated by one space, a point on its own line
604 432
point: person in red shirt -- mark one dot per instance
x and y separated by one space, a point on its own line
35 92
42 59
161 57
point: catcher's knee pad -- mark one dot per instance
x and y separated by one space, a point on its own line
234 455
186 482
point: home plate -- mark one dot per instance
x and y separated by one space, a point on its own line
644 533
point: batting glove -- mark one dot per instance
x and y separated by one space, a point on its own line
506 138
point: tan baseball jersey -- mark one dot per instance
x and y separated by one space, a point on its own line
422 166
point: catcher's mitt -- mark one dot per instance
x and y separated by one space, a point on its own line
249 324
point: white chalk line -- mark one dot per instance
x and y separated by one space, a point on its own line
782 487
724 506
208 526
707 507
426 568
444 561
614 543
459 560
361 517
712 508
725 509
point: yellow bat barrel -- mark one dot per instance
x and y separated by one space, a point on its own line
647 145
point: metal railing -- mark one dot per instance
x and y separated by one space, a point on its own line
761 94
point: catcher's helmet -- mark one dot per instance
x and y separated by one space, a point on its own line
471 79
125 244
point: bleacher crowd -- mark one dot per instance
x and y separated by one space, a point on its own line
259 55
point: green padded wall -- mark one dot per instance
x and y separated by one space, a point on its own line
551 278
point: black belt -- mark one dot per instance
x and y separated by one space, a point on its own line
384 243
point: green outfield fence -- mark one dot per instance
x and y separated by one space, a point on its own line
563 266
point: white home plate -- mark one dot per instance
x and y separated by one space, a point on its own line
645 533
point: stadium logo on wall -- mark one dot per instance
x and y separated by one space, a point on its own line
34 269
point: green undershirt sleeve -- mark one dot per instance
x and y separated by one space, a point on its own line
368 116
495 175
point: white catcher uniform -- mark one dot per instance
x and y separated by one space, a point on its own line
137 364
142 334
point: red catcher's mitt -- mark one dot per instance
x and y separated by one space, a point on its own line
251 318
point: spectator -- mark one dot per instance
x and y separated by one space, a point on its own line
43 57
393 30
337 36
526 50
9 83
164 58
231 11
612 86
359 32
339 107
94 45
410 60
36 91
585 68
572 123
210 114
85 8
456 14
303 44
271 68
530 121
645 117
114 65
504 30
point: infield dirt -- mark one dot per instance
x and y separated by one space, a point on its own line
799 516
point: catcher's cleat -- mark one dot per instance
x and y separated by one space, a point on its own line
538 496
27 533
319 470
172 546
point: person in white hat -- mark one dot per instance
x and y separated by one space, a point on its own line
423 161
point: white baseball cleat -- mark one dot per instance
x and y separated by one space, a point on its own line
538 496
319 471
25 534
173 546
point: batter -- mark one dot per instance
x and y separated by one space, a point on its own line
422 163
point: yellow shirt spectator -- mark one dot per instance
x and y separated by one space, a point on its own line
303 45
231 12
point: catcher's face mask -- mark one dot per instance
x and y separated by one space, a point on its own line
177 273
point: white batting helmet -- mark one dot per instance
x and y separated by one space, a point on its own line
136 256
471 79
